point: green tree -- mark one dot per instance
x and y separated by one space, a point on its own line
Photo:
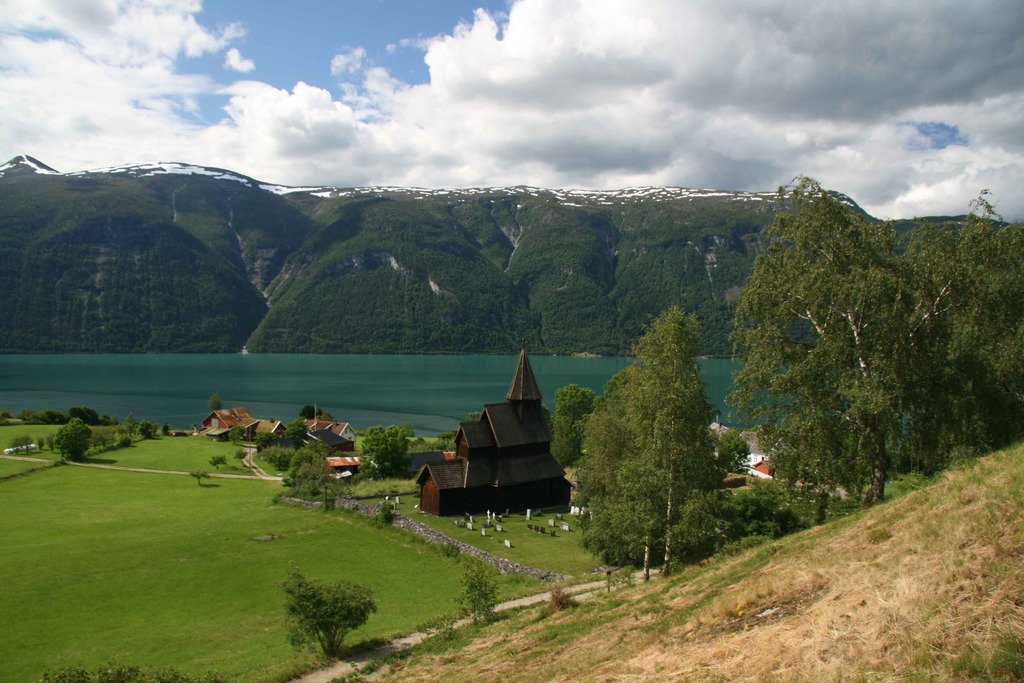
218 460
199 476
858 343
264 440
650 449
296 431
307 412
148 429
573 404
323 613
165 429
385 452
21 441
85 414
732 451
214 402
236 434
130 425
479 589
72 439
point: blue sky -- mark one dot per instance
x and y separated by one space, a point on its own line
910 108
295 41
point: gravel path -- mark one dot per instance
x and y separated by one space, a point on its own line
343 668
146 470
24 458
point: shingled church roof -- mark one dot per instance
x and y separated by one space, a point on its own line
524 384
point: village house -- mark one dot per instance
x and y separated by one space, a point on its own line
275 427
341 467
218 424
502 460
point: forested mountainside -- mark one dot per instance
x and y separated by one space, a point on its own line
172 257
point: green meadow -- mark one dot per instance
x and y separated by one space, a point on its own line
182 453
153 570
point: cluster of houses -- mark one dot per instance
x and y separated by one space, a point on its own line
501 461
337 437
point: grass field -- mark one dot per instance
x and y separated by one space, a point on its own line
13 466
185 453
156 570
564 553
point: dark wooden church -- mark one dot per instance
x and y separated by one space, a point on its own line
502 461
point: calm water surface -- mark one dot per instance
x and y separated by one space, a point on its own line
431 392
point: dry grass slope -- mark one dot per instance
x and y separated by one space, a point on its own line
926 587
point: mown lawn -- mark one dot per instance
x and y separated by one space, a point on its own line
564 553
156 571
13 466
185 453
9 432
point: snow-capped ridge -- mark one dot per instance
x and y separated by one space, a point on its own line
25 163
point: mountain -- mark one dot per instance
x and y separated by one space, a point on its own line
177 257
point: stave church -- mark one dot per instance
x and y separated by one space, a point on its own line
502 461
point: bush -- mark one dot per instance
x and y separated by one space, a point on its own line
560 599
148 429
219 460
762 510
280 458
385 515
43 417
264 440
117 673
72 440
323 613
21 441
479 589
85 414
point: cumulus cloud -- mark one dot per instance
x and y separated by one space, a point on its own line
910 107
348 62
234 60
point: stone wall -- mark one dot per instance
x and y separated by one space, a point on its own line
432 535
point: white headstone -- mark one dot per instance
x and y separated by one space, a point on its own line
483 532
508 543
469 525
387 498
528 514
416 506
471 519
398 501
500 528
551 522
565 527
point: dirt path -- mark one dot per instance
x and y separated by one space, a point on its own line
343 668
146 470
251 464
24 458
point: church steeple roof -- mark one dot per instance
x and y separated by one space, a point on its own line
524 384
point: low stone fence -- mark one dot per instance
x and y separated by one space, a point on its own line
432 535
299 502
22 473
367 496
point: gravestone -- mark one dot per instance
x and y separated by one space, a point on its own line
416 506
565 527
528 511
558 515
499 528
398 501
552 532
483 532
508 543
469 525
551 522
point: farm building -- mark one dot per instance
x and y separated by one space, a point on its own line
502 460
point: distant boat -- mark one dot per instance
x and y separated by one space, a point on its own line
244 351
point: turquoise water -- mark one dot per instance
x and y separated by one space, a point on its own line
431 392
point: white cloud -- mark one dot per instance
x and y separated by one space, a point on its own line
234 60
348 62
585 93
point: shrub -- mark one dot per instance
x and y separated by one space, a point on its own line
560 599
118 673
148 429
280 458
85 414
264 440
199 475
322 613
72 440
219 460
385 515
21 441
762 510
165 429
479 589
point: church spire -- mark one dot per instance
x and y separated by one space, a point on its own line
524 384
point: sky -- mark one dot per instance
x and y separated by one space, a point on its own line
911 107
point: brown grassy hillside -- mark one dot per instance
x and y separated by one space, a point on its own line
926 587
